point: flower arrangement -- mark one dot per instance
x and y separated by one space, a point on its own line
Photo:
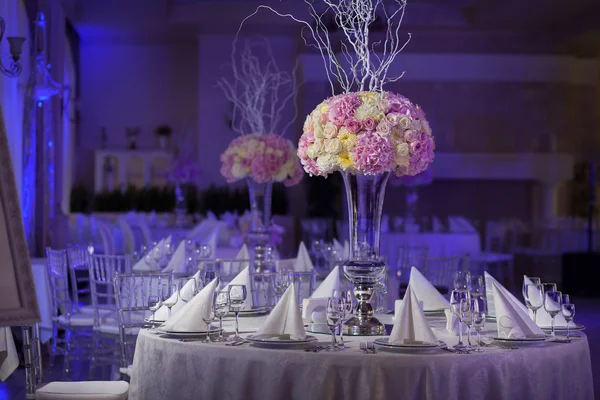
366 132
186 171
263 158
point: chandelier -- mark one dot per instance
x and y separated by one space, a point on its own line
16 44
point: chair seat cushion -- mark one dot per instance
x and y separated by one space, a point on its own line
92 390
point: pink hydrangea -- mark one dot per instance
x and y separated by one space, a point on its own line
373 154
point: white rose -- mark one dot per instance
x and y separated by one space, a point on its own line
383 128
402 150
333 146
330 130
315 149
327 162
238 171
404 122
319 131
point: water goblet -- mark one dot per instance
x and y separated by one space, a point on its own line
532 280
535 296
210 274
168 293
207 317
549 287
283 279
466 317
237 300
568 312
221 309
477 285
478 323
553 305
334 310
455 298
153 305
462 280
188 287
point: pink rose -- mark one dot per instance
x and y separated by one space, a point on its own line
353 125
383 128
369 124
415 147
410 136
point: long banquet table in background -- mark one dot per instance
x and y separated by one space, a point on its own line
440 244
171 369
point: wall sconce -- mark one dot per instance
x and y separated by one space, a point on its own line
16 45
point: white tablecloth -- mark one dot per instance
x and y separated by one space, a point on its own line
170 369
440 244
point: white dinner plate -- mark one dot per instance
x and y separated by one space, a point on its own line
252 312
577 327
385 342
529 340
179 334
281 340
428 312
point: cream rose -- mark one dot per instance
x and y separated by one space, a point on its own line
315 149
327 162
416 125
333 146
238 171
330 130
383 129
402 150
308 124
319 134
404 122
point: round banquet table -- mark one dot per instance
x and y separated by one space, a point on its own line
167 368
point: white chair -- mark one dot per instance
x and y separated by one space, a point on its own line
76 342
105 347
108 242
409 256
131 292
79 272
36 389
494 258
440 272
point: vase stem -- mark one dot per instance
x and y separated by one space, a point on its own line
260 209
364 268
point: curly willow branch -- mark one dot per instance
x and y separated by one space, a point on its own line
256 87
359 65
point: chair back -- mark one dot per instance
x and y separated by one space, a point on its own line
32 357
108 242
79 271
129 244
439 271
408 257
262 289
131 292
102 270
58 277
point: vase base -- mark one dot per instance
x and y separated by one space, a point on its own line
364 327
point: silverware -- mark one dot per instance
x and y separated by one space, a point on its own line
237 343
455 351
368 347
314 348
320 348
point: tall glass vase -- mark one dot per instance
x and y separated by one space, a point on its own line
260 209
364 268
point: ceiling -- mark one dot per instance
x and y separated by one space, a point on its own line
574 22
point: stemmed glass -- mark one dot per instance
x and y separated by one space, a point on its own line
568 312
466 316
168 293
237 300
221 309
207 317
462 280
477 286
535 298
346 301
553 305
187 294
317 248
455 298
532 280
153 305
479 311
210 274
205 251
334 315
283 279
381 291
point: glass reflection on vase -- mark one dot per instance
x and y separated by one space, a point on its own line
260 209
365 267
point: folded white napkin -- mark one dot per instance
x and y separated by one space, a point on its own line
411 326
426 292
211 215
398 306
303 261
512 322
466 225
491 300
243 278
543 319
141 265
314 307
243 254
163 312
285 319
189 318
177 263
202 230
212 240
452 323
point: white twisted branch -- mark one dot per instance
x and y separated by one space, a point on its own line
360 65
256 88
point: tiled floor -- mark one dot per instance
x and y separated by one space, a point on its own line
588 314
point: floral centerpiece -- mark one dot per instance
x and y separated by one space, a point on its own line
365 133
259 93
262 158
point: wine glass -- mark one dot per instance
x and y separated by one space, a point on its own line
168 293
532 280
283 279
207 317
188 287
549 287
237 300
220 309
553 305
477 285
334 314
157 257
535 298
455 298
153 305
479 312
568 312
346 300
462 280
466 316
